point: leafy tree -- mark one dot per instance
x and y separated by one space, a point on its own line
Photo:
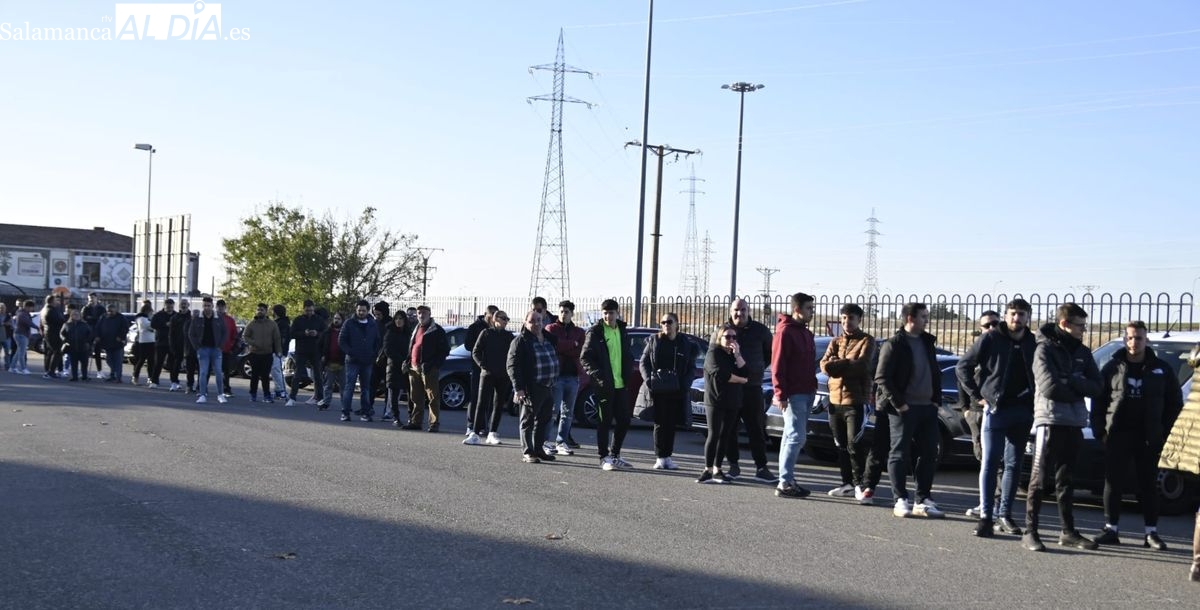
286 255
940 311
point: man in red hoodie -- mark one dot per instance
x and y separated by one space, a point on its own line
794 375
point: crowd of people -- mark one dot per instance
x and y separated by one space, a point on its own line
1013 379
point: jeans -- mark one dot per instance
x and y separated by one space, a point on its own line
21 359
535 418
915 428
566 391
495 394
1006 429
1055 449
210 362
333 377
277 374
302 363
795 432
7 346
846 423
1119 454
116 361
613 413
366 399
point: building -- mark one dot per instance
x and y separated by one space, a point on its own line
37 261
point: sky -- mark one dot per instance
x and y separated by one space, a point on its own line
1024 146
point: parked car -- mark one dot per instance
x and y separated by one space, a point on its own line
1178 492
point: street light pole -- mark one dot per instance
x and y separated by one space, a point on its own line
740 88
641 230
146 261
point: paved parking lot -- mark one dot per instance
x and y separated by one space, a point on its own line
119 497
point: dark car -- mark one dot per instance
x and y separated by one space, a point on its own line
955 442
1179 492
585 404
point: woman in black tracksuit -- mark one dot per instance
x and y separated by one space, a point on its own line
395 345
724 374
667 351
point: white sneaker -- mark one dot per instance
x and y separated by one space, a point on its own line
472 439
669 464
549 448
312 400
174 388
660 464
928 509
151 385
493 438
221 399
845 491
564 449
290 403
974 512
607 464
902 509
202 399
620 462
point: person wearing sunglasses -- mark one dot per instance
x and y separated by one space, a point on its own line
724 377
668 368
972 412
997 375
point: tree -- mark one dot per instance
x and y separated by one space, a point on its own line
940 311
286 255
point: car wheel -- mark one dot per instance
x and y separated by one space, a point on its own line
586 411
247 371
454 392
1177 491
821 454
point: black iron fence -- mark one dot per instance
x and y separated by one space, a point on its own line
953 318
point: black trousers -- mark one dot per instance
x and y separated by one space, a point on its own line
175 364
495 394
143 355
397 384
473 396
668 410
881 446
1119 455
96 355
536 411
753 416
162 359
845 421
193 367
1055 449
302 362
722 430
260 372
79 365
613 414
52 359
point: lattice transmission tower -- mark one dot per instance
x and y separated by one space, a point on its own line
870 287
689 274
706 252
551 275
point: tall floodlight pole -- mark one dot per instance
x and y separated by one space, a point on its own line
146 261
741 89
641 234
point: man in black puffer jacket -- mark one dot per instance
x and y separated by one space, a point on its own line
177 339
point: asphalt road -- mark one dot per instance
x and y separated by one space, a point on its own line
123 497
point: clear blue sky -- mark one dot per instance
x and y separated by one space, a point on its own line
1041 145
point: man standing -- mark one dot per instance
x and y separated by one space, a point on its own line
382 312
794 377
92 312
1064 374
1138 402
539 305
161 323
907 382
279 313
570 344
262 342
111 332
495 389
427 352
532 366
847 362
228 361
480 324
755 340
359 340
305 330
605 359
997 376
972 411
176 340
207 334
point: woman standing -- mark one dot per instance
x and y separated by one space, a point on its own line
395 343
143 350
724 374
51 322
6 331
668 368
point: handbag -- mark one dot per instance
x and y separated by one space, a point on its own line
663 380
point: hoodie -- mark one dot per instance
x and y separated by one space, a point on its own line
793 358
1064 374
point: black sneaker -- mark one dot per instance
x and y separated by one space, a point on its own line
706 477
386 417
530 459
434 428
268 400
722 478
1076 540
983 529
345 417
764 474
1108 536
735 471
1007 526
545 457
398 424
366 418
791 491
1154 542
571 442
1032 542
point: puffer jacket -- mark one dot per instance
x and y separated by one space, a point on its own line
78 335
491 352
1064 374
1182 449
848 363
1161 399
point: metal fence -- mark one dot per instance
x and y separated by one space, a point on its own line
953 318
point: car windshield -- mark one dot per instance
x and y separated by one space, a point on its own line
1173 353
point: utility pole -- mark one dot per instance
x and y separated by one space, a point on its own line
661 150
767 272
425 254
706 252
